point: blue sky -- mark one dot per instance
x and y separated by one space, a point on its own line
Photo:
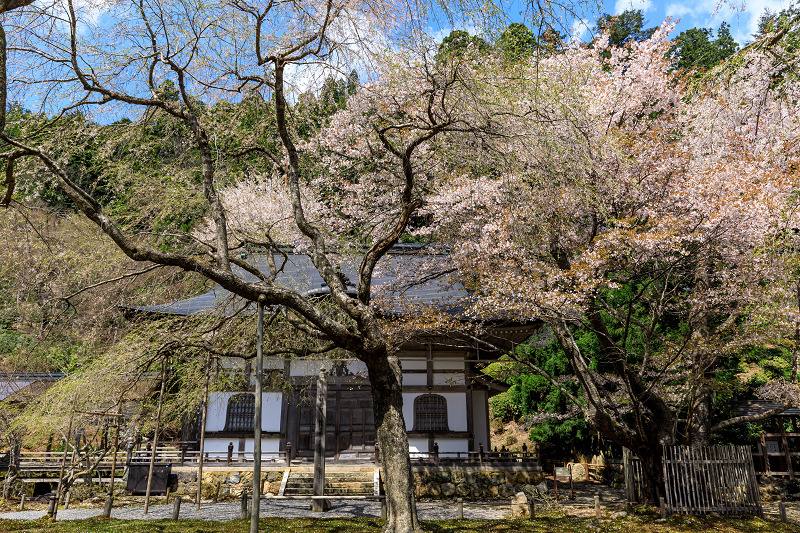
742 15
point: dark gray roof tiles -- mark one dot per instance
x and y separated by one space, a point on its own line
403 283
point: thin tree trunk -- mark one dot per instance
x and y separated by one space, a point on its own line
386 380
63 465
13 466
155 437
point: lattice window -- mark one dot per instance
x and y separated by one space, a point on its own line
241 409
430 413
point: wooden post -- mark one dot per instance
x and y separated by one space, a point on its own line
66 499
176 508
243 507
155 436
257 420
204 415
555 482
230 453
318 505
22 503
110 497
460 508
383 509
597 508
785 445
663 507
51 506
782 511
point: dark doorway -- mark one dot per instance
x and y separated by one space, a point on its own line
350 424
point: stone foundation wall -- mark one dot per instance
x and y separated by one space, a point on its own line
474 483
230 484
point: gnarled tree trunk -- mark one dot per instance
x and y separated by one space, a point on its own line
385 377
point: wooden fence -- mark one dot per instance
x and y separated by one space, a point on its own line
718 479
632 469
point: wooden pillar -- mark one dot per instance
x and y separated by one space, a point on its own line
110 497
765 455
203 417
320 421
785 445
254 515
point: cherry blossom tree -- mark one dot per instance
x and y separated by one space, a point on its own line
642 209
176 61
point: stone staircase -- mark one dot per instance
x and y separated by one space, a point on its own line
337 483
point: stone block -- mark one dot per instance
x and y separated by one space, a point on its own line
520 508
448 489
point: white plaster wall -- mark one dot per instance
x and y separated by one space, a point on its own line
415 379
417 445
480 419
452 445
216 446
456 409
448 379
273 363
232 363
308 367
218 410
448 364
414 364
357 367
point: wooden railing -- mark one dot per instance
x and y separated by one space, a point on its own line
477 458
181 455
51 461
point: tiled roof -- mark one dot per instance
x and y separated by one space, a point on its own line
402 282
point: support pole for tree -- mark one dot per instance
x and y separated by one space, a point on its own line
319 505
110 498
155 436
204 415
61 472
254 515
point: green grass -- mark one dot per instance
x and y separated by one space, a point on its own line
555 523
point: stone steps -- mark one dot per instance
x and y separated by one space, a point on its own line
336 483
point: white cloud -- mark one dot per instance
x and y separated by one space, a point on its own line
580 30
679 11
622 5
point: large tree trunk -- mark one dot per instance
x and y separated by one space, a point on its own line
699 423
653 486
385 377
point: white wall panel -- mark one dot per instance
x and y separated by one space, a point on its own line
448 379
410 380
448 364
456 409
218 410
414 364
480 419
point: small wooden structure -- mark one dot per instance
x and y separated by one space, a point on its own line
777 450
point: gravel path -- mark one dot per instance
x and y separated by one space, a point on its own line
282 509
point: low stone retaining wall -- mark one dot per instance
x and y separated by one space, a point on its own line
225 485
474 483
